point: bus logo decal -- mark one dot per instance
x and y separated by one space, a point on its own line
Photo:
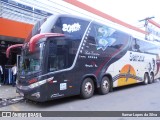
56 95
136 57
71 28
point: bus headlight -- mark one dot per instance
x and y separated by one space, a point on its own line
34 85
39 83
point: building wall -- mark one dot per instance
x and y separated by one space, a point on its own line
14 28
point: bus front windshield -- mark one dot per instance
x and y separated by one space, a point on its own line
31 62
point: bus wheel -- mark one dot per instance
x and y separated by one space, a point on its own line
105 86
146 79
151 80
87 88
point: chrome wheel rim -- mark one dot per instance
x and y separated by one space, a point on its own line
105 85
88 88
151 78
146 80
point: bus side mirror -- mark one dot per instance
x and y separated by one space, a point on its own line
36 38
11 47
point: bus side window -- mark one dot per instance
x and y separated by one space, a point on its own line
52 63
135 45
57 28
91 37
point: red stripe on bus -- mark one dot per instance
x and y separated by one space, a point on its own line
107 60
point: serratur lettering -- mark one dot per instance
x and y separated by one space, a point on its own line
136 57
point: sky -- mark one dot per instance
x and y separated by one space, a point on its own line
130 11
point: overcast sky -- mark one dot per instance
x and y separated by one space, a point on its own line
129 11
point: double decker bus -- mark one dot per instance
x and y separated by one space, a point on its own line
67 55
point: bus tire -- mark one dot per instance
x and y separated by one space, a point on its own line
151 80
146 79
87 88
104 86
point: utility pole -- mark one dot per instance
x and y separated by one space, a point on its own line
146 24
